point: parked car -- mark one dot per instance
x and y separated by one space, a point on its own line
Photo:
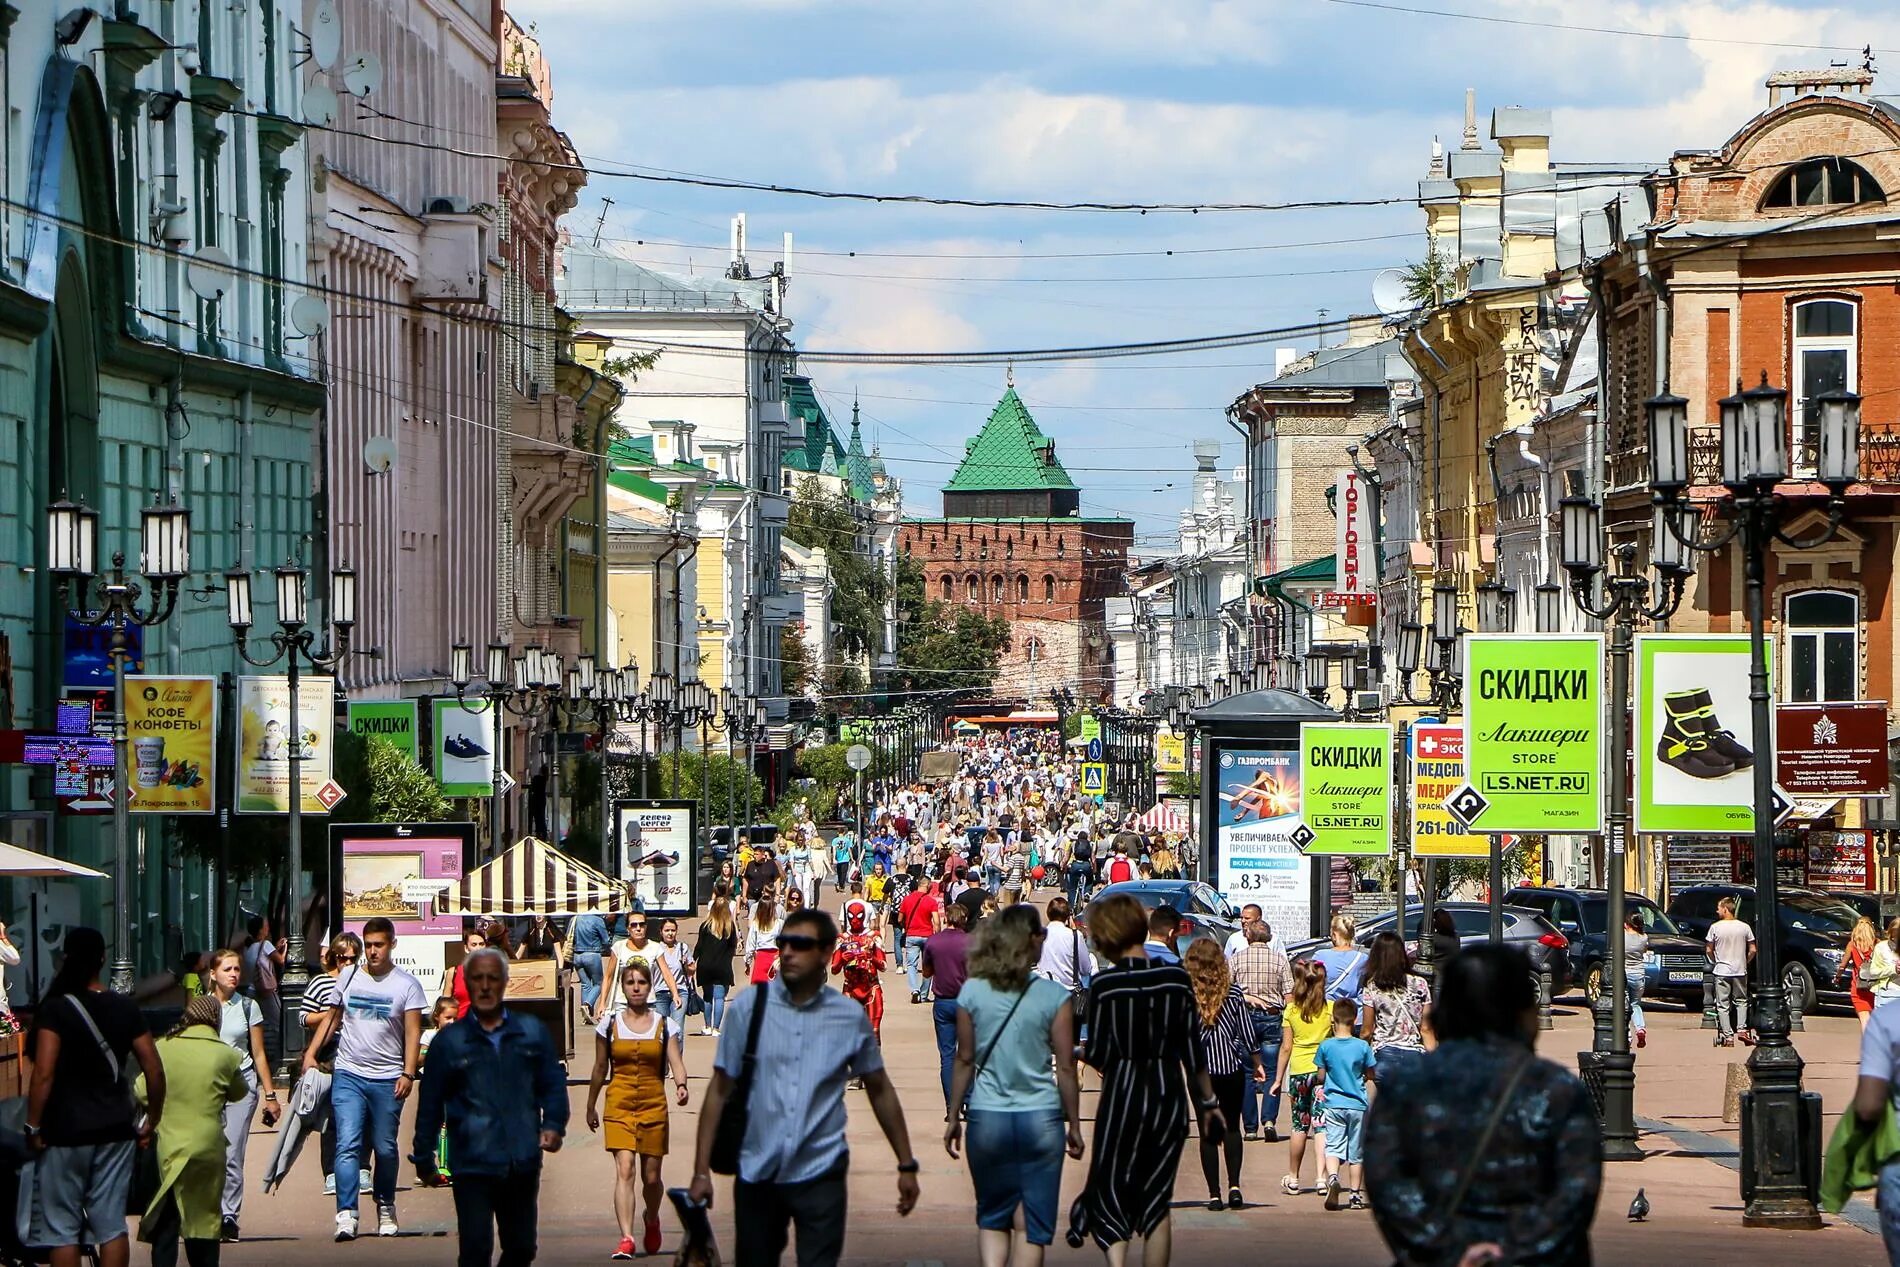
1523 927
1867 904
1672 970
1204 912
1812 934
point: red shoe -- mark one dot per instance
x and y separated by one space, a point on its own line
624 1249
653 1236
1747 1036
1642 1038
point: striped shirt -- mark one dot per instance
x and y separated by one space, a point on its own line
795 1124
1228 1042
1261 973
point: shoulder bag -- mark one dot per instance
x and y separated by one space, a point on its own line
990 1049
735 1113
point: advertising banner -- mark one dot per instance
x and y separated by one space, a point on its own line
1356 572
1693 735
1438 770
263 755
465 742
88 653
1170 753
394 720
1258 812
1347 772
408 874
655 851
171 729
1534 731
1091 726
1831 750
1840 860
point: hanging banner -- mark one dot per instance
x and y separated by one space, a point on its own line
1694 738
171 729
1346 769
1438 770
655 852
1257 807
1355 576
1170 753
263 755
87 653
1534 732
394 720
1832 750
465 743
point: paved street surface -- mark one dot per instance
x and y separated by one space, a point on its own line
1696 1219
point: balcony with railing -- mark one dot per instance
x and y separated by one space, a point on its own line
1879 453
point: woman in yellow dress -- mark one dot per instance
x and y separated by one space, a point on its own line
634 1050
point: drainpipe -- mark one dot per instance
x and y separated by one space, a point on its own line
1247 516
1438 450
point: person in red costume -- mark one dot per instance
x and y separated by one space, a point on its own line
860 959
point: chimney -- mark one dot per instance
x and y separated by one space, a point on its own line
1471 120
1364 330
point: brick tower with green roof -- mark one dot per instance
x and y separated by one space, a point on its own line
1013 541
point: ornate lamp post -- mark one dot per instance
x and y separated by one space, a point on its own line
1444 688
72 552
528 695
294 643
1754 441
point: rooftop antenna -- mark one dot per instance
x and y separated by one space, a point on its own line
1319 335
1471 120
602 222
736 269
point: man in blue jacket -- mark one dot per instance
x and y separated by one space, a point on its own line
493 1076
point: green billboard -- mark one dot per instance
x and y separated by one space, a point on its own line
1694 736
1534 732
1347 799
394 720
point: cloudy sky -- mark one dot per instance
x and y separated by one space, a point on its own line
1112 100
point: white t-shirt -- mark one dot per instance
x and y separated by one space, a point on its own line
619 1024
1728 941
373 1015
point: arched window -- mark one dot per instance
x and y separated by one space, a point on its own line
1823 646
1022 587
1824 357
949 589
972 588
1048 589
996 587
1824 182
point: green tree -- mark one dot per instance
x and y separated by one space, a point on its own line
794 658
942 646
830 522
399 790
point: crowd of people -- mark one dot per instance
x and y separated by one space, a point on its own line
992 895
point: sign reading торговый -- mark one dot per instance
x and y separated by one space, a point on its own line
1534 731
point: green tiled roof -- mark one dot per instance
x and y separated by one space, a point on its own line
857 468
637 451
1009 454
821 454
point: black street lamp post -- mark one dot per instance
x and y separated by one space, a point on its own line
1443 694
523 687
1779 1122
72 552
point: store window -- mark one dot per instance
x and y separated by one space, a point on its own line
1824 361
1823 646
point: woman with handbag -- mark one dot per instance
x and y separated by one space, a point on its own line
635 1048
242 1029
1482 1105
1854 966
202 1080
713 953
1011 1026
673 972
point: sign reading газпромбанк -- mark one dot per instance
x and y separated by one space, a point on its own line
1534 731
1346 774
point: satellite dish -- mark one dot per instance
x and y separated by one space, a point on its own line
363 75
1388 292
379 454
326 34
209 274
319 104
310 315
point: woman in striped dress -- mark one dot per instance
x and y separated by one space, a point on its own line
1142 1038
1226 1032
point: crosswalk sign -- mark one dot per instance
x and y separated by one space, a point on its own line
1094 779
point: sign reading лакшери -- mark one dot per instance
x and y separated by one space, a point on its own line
1534 731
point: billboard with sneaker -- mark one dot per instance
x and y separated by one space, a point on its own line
464 748
1694 739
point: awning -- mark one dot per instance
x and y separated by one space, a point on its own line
1161 818
534 878
16 861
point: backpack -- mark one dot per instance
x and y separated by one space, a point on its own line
1084 850
1120 871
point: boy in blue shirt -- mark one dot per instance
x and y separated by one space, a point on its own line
1346 1063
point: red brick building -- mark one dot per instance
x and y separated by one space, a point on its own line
1012 540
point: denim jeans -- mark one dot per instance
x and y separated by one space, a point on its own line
914 965
715 1005
1016 1160
1634 996
360 1103
943 1014
1076 885
1259 1102
588 964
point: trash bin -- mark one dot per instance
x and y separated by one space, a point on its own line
1590 1069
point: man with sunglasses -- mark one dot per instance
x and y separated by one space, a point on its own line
811 1041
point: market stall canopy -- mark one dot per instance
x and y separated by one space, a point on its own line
1161 818
16 861
534 878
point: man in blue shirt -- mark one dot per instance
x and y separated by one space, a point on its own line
494 1078
1164 926
592 943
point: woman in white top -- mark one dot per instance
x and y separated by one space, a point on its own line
761 940
672 972
242 1030
798 864
635 947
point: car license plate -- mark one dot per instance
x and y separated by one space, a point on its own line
1685 976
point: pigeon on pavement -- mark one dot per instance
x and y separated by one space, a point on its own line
1639 1208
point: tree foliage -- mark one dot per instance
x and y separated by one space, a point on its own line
942 645
827 521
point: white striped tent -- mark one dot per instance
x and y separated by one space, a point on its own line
1161 818
534 878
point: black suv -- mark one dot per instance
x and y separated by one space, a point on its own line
1813 932
1672 969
